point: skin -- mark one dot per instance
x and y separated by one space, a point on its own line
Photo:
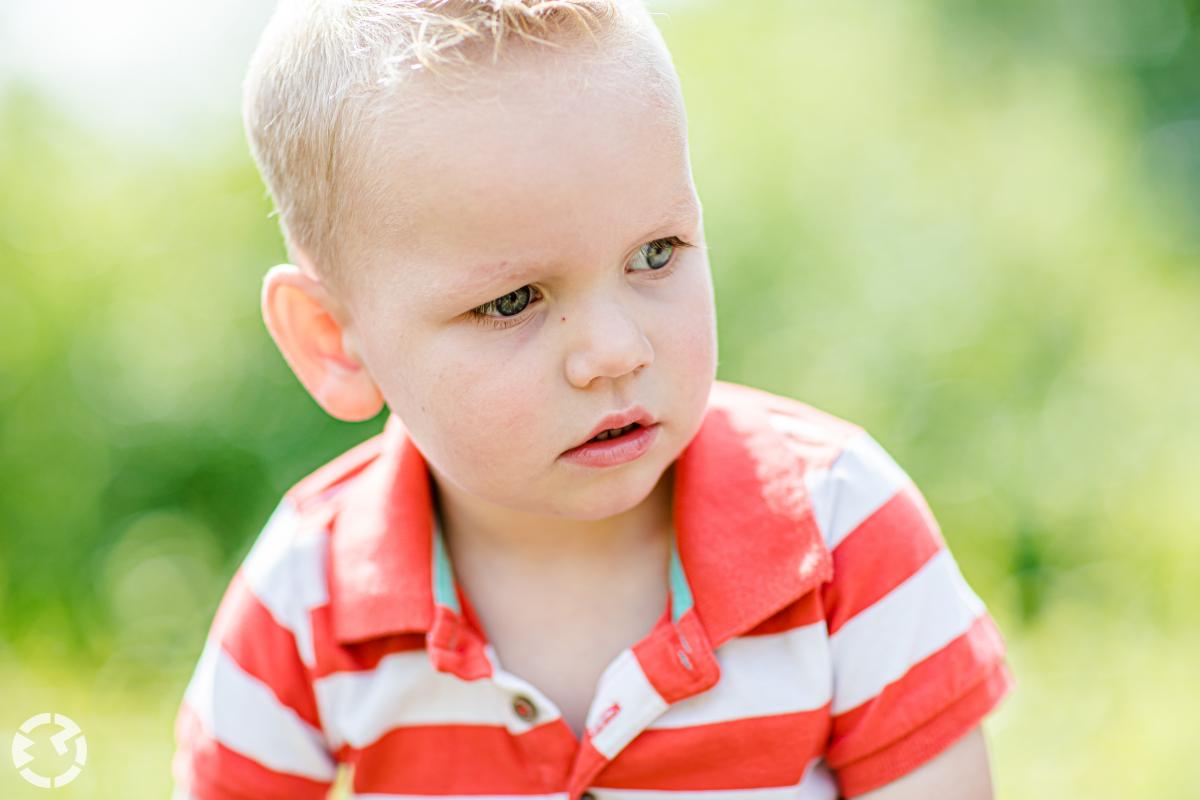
555 178
961 772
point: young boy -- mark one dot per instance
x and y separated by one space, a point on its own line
573 564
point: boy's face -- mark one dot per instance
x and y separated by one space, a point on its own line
556 199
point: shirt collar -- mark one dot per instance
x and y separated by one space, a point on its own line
746 540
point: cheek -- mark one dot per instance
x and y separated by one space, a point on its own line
687 333
484 404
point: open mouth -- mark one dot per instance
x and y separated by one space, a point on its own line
613 433
615 446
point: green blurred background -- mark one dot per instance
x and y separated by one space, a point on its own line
971 227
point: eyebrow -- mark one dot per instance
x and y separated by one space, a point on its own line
499 275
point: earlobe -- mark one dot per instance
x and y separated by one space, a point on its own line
299 315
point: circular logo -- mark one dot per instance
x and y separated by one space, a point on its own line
70 736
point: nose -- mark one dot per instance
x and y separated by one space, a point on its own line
609 343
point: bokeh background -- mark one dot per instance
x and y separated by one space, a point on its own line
971 227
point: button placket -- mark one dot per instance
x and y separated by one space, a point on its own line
685 649
625 686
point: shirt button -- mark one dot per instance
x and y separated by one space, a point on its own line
524 708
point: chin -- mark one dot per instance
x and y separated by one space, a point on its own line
607 499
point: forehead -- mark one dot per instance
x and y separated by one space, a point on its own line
530 159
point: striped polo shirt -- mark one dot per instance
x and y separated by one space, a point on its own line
819 639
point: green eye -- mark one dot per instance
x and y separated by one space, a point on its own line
509 306
656 254
513 303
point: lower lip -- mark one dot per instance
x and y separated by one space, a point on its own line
611 452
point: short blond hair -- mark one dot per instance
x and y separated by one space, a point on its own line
321 63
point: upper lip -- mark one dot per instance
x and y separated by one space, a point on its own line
619 420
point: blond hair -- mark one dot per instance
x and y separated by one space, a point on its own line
320 64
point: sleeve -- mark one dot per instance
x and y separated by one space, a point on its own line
917 660
248 725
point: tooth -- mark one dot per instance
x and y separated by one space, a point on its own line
612 432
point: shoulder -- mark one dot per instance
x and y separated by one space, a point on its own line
285 571
847 472
300 519
915 657
315 490
849 477
815 435
787 414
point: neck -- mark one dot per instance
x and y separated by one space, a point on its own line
540 543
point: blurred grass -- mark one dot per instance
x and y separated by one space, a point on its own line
972 228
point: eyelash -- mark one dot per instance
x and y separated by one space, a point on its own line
500 323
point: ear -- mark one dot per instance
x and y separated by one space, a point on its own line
303 319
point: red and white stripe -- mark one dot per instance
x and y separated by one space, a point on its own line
245 715
285 569
882 664
908 636
763 675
